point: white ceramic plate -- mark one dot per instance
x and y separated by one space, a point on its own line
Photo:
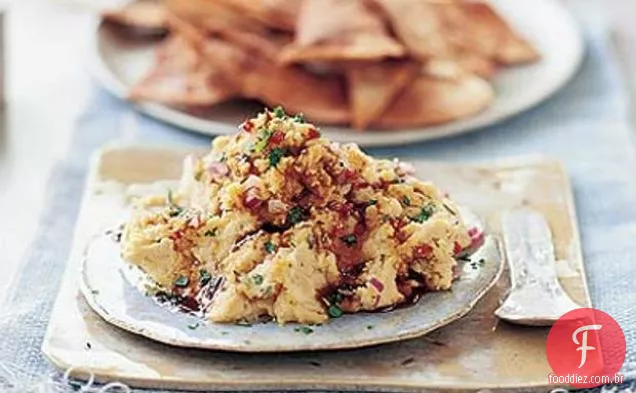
119 62
107 286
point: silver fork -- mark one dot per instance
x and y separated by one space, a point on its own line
536 297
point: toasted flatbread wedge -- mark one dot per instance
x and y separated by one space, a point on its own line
147 15
475 63
258 75
181 77
340 30
480 29
418 25
275 14
374 86
210 16
442 93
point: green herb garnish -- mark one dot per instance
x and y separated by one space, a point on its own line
372 202
296 215
406 201
270 248
258 279
275 156
299 118
350 240
335 311
426 213
182 282
205 277
369 327
279 112
262 141
210 233
304 330
193 326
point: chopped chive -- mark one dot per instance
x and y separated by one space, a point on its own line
350 240
426 213
296 215
304 330
270 248
275 156
182 282
335 311
279 112
258 279
205 277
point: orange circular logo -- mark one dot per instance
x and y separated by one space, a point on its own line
585 348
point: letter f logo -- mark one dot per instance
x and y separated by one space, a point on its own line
584 347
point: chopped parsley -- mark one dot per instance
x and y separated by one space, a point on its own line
262 141
335 311
335 298
204 277
406 201
270 247
210 233
258 279
296 215
181 282
350 240
426 213
275 156
304 330
299 118
372 202
173 209
369 327
279 112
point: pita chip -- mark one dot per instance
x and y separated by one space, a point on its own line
374 86
141 14
442 93
419 25
340 30
180 77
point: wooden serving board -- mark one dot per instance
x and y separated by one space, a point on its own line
476 352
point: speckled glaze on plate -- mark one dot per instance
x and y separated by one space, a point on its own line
115 297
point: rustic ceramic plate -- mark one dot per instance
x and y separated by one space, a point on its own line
119 62
113 292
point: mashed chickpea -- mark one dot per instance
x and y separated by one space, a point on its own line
278 222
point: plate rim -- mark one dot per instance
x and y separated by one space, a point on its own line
212 128
90 296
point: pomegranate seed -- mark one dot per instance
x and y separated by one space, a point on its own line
458 248
473 231
277 137
423 251
251 200
377 284
247 126
313 134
